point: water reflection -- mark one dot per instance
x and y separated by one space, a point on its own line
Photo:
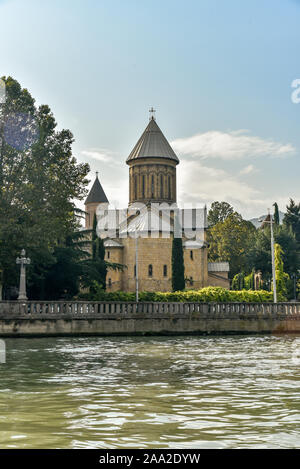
183 392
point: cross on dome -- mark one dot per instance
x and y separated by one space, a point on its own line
152 113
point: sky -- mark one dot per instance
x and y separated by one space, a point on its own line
219 74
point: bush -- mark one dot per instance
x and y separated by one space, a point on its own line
205 295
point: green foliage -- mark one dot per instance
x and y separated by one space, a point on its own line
238 281
282 279
38 186
208 294
292 219
230 241
178 280
218 212
259 253
276 214
249 281
94 268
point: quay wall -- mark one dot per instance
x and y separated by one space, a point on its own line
61 318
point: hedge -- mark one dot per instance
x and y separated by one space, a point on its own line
205 295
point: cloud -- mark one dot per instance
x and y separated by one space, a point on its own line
250 169
232 145
198 183
103 155
207 184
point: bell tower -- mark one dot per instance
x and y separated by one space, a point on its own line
95 197
152 167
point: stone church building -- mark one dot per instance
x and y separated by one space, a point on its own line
152 182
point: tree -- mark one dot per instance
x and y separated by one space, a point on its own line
276 214
282 278
230 241
178 281
95 267
238 282
218 212
259 253
249 281
292 218
39 182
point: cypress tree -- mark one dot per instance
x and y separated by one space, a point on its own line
98 254
178 282
282 278
276 214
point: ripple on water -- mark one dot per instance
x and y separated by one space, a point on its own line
182 392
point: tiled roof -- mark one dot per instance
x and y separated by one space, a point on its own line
218 266
97 194
152 144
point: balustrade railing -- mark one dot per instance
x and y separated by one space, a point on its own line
82 309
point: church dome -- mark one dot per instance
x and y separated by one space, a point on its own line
152 144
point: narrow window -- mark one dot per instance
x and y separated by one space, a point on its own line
143 186
192 255
135 187
152 187
169 187
108 254
135 270
191 281
150 270
109 282
161 186
165 271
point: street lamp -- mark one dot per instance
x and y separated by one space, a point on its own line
294 277
136 267
272 254
23 261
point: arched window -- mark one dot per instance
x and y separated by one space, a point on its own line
161 186
135 187
165 270
169 187
108 254
135 270
143 186
192 255
109 282
152 187
150 270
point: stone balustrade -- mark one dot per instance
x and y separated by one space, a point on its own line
122 318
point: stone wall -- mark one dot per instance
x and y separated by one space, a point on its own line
88 318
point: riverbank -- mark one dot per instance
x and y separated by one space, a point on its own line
42 319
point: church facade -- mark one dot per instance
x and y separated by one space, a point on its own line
154 218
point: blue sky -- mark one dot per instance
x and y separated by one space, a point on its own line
218 72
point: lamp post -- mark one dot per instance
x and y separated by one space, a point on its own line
23 261
136 267
272 255
295 278
273 260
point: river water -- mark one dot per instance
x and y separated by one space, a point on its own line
156 392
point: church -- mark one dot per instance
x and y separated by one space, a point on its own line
142 239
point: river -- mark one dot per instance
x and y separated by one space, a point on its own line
151 392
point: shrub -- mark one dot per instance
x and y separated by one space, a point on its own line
205 295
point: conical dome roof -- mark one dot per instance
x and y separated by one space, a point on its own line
97 194
152 144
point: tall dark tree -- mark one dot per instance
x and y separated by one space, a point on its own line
292 218
98 254
39 181
178 280
276 214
